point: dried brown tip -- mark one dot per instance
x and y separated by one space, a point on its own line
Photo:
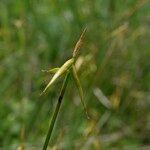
79 43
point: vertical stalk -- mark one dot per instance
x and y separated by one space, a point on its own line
62 92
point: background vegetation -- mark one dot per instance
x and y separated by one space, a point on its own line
113 69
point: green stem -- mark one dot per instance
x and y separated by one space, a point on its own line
62 92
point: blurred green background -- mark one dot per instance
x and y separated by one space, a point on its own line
113 67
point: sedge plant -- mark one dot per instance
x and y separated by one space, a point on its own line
68 68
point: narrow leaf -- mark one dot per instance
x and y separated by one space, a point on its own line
54 70
62 70
78 84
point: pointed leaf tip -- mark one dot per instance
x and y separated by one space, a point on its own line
54 70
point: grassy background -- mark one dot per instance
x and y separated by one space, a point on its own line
114 63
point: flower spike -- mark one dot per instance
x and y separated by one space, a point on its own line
69 66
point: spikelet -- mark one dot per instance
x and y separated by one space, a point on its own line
61 71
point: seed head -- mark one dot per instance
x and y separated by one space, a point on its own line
79 43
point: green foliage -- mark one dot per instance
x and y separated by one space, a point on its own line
36 35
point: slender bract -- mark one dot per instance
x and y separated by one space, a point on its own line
62 92
78 84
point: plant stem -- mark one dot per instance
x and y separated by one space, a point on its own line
62 92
